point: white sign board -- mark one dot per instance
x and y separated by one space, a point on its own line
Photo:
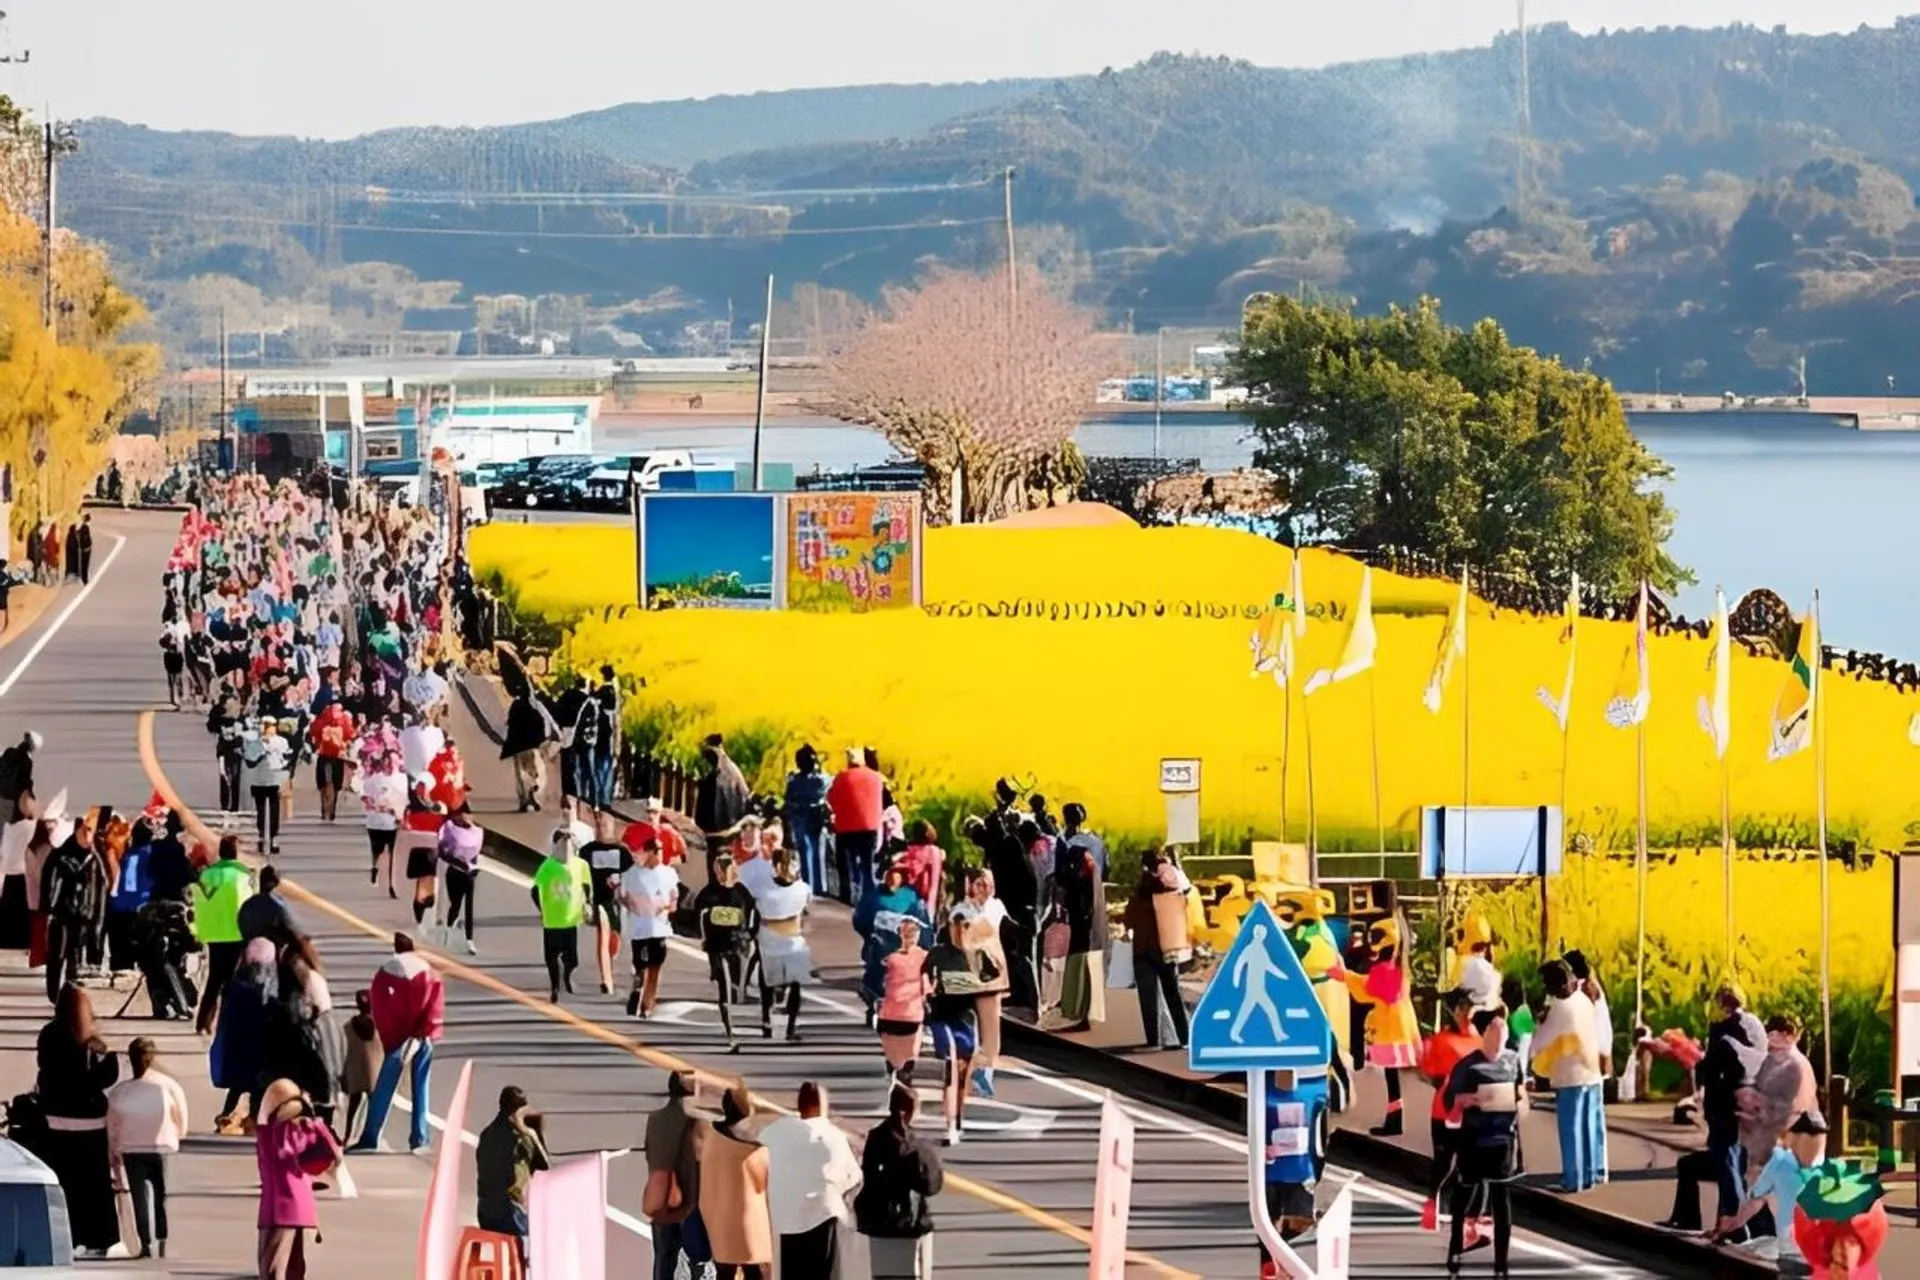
1333 1239
1183 818
1177 777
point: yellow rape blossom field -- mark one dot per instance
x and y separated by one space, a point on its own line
1074 659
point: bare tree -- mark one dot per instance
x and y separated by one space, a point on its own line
967 380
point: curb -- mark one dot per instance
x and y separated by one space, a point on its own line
103 504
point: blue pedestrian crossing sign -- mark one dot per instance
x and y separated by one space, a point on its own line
1259 1011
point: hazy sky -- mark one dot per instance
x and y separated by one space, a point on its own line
346 66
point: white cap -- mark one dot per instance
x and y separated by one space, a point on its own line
654 805
34 740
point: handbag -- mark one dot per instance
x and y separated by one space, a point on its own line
662 1193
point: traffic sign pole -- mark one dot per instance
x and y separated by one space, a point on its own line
1290 1263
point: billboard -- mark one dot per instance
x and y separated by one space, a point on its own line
852 552
709 551
1490 843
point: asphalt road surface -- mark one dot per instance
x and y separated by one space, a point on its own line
1019 1191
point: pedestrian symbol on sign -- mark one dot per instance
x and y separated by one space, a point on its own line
1250 973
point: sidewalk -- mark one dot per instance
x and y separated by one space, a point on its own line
213 1184
1643 1144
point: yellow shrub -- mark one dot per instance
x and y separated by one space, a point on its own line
1020 667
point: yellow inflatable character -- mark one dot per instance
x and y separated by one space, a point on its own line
1304 913
1393 1031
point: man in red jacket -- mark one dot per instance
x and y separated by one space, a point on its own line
408 1009
855 799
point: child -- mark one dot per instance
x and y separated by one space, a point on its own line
1520 1023
360 1065
1772 1196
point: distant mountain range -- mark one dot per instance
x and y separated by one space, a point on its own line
1700 208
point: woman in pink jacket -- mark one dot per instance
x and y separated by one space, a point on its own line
294 1146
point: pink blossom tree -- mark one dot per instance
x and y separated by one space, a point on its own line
982 388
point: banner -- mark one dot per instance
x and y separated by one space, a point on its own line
709 551
567 1220
853 552
440 1226
1112 1194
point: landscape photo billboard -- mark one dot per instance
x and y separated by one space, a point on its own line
709 551
852 552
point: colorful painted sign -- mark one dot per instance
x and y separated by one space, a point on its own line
853 552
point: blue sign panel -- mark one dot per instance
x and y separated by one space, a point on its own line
1259 1012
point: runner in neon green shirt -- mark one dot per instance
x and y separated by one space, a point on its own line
560 889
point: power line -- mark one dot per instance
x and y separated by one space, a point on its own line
177 215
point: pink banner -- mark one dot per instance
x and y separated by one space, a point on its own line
567 1220
1112 1194
440 1227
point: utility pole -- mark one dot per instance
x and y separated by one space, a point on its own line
760 407
226 456
1526 113
1013 263
1159 384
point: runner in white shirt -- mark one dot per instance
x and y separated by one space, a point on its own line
984 914
649 891
786 962
384 797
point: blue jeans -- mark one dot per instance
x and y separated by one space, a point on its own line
602 779
670 1240
856 850
809 843
383 1091
1578 1114
510 1222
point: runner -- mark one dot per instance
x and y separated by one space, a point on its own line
728 922
649 890
562 888
877 919
421 842
957 976
903 1003
608 859
786 962
460 841
330 734
984 915
383 795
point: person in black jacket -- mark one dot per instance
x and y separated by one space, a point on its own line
73 892
75 1070
1736 1045
529 729
900 1174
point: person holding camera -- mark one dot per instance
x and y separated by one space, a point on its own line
293 1146
509 1153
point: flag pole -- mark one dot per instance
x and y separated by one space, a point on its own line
1313 819
1640 884
1820 815
1566 840
1373 716
1726 848
1286 748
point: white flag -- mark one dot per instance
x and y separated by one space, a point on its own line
1357 654
1453 647
1633 693
1716 715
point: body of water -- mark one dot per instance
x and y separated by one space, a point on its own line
1787 501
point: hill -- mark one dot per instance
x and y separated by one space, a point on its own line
1700 208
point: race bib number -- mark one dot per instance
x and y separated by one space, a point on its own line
1285 1142
726 917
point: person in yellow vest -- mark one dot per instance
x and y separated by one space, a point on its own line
562 888
223 885
1393 1031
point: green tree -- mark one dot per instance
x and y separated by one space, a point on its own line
1403 431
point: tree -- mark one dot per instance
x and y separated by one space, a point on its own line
959 376
1402 431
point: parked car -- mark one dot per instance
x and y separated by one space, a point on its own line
610 487
533 486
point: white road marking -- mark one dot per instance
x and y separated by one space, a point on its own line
1592 1268
53 628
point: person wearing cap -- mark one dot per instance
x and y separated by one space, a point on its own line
562 890
671 1199
505 1159
1766 1216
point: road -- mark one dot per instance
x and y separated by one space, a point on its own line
1018 1194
